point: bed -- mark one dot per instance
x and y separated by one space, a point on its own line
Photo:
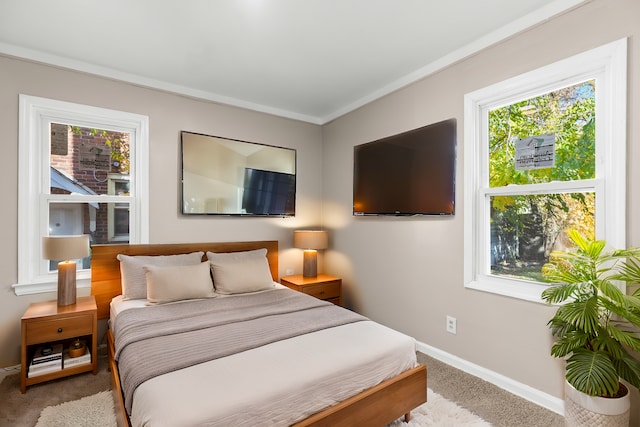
354 372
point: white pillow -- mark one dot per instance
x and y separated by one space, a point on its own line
168 284
132 278
240 272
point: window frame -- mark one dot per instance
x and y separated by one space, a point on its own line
606 64
35 115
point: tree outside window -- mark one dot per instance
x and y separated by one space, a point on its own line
527 224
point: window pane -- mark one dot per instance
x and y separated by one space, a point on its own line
85 160
121 222
566 115
525 229
103 222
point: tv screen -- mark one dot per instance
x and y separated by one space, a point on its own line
412 173
268 192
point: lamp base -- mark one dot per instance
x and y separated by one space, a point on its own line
310 263
66 283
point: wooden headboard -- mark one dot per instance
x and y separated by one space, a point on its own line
105 267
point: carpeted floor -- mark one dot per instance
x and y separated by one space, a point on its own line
489 402
23 410
95 410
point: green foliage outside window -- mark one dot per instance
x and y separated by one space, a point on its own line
119 146
526 227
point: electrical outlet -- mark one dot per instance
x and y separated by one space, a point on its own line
452 325
289 271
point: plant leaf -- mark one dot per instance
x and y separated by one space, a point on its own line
592 373
569 343
583 314
611 292
630 339
629 369
559 293
629 271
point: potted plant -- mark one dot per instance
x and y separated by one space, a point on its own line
596 328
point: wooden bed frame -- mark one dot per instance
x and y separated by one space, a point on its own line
378 405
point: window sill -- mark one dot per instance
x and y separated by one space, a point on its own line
46 286
519 289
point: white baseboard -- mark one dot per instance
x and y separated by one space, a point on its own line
9 370
524 391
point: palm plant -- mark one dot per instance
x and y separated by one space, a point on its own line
596 324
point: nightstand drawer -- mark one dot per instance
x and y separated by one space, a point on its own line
323 290
58 329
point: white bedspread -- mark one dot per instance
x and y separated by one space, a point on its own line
277 384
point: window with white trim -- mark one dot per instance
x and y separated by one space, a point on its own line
544 152
82 170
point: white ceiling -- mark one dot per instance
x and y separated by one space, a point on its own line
311 60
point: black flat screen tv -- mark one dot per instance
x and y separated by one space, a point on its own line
269 193
412 173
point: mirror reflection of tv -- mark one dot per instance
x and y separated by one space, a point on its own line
412 173
269 193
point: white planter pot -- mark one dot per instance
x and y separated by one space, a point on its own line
582 410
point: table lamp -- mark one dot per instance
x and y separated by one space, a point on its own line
66 249
310 241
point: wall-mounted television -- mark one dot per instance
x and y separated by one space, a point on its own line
412 173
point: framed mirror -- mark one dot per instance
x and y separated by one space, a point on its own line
223 176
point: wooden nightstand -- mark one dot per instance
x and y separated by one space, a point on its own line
47 323
323 286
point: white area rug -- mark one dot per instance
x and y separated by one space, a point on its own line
440 412
91 411
97 410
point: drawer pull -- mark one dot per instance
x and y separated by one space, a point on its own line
59 330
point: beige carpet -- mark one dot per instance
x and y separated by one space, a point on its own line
440 412
97 410
23 410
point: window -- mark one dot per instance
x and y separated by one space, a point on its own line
544 153
82 170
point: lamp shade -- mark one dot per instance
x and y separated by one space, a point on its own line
310 239
59 248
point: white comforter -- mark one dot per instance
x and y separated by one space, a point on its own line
277 384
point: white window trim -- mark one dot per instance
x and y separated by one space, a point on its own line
608 64
33 180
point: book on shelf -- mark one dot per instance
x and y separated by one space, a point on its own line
47 364
46 360
41 369
47 353
69 361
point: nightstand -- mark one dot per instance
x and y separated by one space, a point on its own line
47 323
323 286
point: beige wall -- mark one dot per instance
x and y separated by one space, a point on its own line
408 273
168 115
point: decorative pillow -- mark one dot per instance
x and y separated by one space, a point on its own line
240 272
168 284
134 282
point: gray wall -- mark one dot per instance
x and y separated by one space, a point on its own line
408 273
